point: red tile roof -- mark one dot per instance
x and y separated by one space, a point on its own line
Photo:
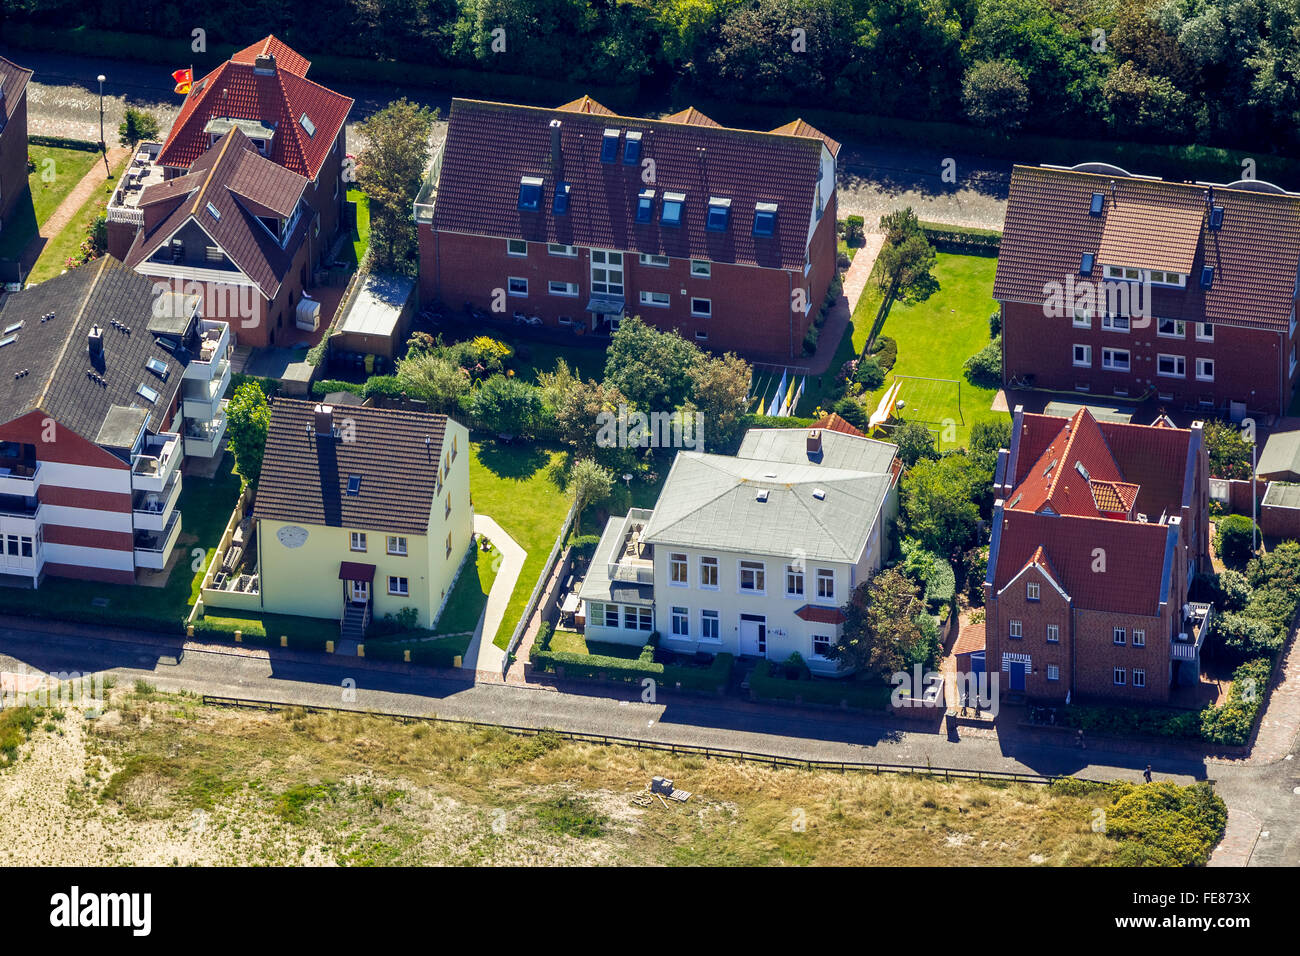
969 639
691 117
585 104
800 128
241 185
815 614
834 423
1148 222
1061 477
279 99
491 146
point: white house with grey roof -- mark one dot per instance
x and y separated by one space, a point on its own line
752 554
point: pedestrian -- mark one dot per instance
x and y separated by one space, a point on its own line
1080 739
1146 774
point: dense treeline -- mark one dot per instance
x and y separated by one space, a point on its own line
1221 71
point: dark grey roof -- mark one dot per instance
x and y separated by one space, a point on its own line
48 365
396 454
121 427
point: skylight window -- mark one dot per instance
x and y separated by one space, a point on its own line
632 148
671 215
1216 217
719 214
1085 264
609 146
307 125
214 212
150 395
764 218
561 204
645 205
530 193
158 367
1207 277
354 484
1095 208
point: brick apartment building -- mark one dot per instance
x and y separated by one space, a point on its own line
13 135
262 94
580 217
1098 530
105 387
1214 269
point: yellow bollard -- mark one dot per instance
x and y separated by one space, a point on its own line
284 640
406 655
189 630
457 661
239 637
329 647
361 650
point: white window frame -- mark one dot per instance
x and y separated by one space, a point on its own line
701 315
396 544
1202 336
706 564
1032 591
1015 629
1087 356
399 585
1139 638
679 563
357 541
827 639
701 269
1200 373
707 615
570 289
1179 329
1119 636
681 617
656 300
826 576
657 262
613 610
1082 319
1180 366
759 570
1053 672
794 578
1112 322
510 280
1139 677
1119 676
513 244
1053 634
1109 356
565 252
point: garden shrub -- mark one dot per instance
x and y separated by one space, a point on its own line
769 683
1163 824
1232 539
940 584
327 385
1231 722
985 366
885 351
869 374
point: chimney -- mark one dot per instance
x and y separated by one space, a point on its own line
814 443
557 158
324 415
96 343
264 64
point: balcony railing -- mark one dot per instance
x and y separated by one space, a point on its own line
20 478
153 547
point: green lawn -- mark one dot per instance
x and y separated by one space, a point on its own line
289 625
511 484
936 336
361 231
66 245
49 184
573 643
469 595
205 507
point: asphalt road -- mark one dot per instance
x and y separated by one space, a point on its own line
63 100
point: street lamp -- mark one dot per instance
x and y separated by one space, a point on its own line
103 146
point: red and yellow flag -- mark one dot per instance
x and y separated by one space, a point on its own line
184 80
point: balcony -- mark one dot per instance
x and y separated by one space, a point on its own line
151 510
1186 644
422 211
211 360
157 461
20 478
203 439
143 171
19 514
202 397
153 547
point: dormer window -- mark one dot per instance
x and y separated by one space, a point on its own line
671 214
561 204
609 146
719 213
632 148
530 193
764 218
645 205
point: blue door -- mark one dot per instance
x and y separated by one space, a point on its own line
1017 675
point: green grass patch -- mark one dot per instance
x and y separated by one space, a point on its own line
574 643
303 633
511 485
16 723
572 816
57 172
67 243
470 594
361 226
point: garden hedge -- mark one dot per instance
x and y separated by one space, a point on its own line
624 669
765 685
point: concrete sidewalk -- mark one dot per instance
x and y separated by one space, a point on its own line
482 656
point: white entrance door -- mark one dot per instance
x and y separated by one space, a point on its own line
753 635
359 591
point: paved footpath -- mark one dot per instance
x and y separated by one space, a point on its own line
482 655
71 204
1252 789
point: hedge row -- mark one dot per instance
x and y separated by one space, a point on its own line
426 655
327 385
255 633
627 670
955 239
64 142
765 685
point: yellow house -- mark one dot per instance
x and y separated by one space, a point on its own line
361 512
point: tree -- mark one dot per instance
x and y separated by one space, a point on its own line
1233 540
389 171
248 419
652 368
907 255
577 407
914 442
591 485
503 405
1228 450
720 391
434 379
939 501
995 95
880 632
137 126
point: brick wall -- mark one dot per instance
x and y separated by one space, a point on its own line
1051 608
1250 364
